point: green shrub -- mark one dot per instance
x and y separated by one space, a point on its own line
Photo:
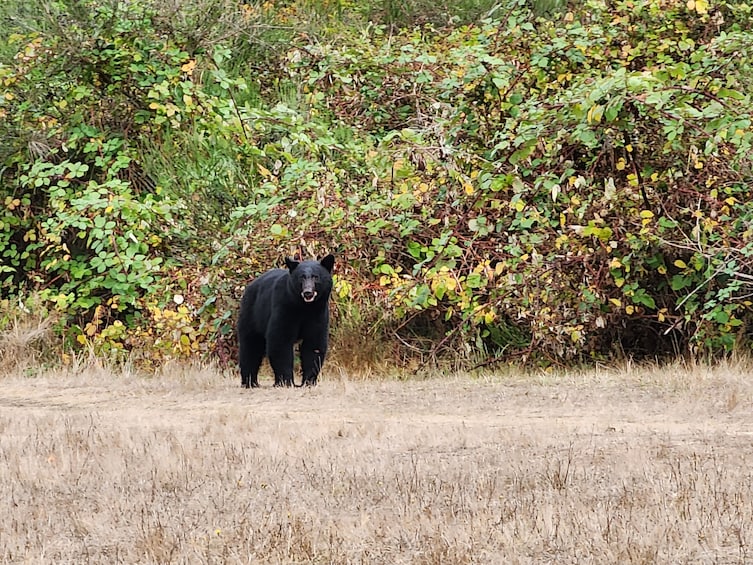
560 188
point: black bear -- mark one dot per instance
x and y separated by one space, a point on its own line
278 309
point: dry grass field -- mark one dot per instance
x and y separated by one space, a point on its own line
638 465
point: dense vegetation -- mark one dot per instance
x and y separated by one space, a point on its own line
500 181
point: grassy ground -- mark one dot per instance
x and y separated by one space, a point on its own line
630 466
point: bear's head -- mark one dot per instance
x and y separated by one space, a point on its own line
312 280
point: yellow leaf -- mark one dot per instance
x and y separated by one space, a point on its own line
616 301
81 338
621 164
680 264
629 309
647 214
594 114
343 288
699 6
468 187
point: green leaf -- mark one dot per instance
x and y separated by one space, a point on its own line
640 297
678 282
613 110
474 280
522 153
729 93
667 223
720 317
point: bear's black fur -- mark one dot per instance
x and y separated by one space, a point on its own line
280 308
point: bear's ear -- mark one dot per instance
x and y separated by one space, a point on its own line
291 263
328 262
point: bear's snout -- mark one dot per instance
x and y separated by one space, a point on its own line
308 295
308 289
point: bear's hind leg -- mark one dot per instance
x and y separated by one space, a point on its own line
250 355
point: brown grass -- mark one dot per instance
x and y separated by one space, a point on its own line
632 466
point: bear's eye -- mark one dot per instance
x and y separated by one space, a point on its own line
316 278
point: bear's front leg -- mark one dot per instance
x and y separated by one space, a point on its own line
281 359
312 360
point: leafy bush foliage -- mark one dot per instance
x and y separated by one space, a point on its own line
566 187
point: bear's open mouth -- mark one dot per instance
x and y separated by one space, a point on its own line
308 296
